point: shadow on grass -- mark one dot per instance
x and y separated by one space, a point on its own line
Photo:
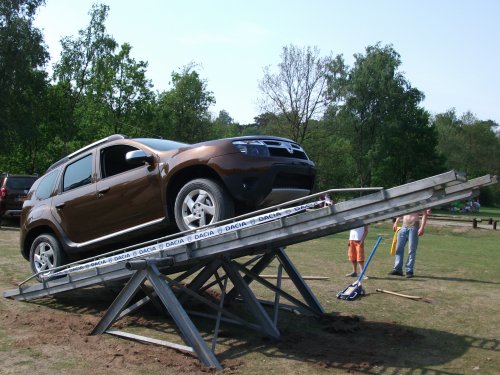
423 277
375 347
9 223
458 279
346 343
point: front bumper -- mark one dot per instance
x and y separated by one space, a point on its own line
272 183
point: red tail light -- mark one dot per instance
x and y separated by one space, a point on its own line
3 193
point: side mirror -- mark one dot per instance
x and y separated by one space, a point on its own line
138 157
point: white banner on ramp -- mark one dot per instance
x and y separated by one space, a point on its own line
180 241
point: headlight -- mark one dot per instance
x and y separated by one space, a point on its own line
252 148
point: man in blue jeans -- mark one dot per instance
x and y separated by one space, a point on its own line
410 231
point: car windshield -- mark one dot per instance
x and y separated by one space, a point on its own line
161 144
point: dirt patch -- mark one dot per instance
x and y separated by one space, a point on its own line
52 331
53 327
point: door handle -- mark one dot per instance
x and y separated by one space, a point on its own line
102 191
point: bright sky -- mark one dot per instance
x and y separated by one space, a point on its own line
450 49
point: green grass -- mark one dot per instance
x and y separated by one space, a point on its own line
457 272
453 330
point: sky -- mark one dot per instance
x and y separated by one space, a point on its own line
450 49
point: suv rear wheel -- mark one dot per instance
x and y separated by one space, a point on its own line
45 254
201 202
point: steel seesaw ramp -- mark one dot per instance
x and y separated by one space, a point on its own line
384 204
204 258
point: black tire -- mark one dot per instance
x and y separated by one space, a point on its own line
201 202
46 254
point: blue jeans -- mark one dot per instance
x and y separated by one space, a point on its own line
409 235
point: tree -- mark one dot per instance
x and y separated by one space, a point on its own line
377 110
333 157
82 57
297 91
125 92
470 145
23 84
467 143
107 92
224 126
81 66
449 138
184 108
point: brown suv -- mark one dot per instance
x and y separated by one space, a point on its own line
13 190
117 191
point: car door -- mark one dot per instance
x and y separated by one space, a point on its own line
128 195
73 206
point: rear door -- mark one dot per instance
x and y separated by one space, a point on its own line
73 207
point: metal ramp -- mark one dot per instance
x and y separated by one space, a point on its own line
203 261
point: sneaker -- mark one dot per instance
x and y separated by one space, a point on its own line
396 273
352 274
365 277
409 275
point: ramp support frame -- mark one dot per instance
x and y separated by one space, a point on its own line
240 276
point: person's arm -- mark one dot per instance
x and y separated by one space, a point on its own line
395 225
422 226
365 233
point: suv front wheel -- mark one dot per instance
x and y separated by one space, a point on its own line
201 202
45 254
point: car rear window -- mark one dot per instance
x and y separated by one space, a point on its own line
20 183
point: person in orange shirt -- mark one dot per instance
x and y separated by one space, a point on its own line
356 250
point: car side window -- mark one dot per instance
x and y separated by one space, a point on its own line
78 173
46 185
113 160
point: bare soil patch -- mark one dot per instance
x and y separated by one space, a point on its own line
57 327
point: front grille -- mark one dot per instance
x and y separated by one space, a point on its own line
285 149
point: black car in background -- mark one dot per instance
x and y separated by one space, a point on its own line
13 191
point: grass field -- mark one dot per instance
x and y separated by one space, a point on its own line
453 329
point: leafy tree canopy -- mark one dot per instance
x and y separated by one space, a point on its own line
375 108
185 106
23 56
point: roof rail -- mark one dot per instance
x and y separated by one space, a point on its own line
111 138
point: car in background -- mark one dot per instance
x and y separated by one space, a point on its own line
118 191
13 191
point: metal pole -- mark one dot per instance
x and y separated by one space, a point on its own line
251 301
299 282
189 331
277 295
219 313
